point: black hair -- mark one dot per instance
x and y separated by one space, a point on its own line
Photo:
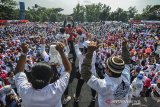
9 73
143 63
11 101
56 73
80 33
69 25
41 75
62 30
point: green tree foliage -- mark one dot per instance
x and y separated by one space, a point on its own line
132 11
93 12
104 15
53 17
101 12
78 13
138 17
146 12
42 14
90 13
7 9
151 12
119 15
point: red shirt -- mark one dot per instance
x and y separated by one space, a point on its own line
4 76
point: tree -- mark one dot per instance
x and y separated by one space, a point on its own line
53 17
138 17
132 11
120 15
104 15
43 14
93 12
154 13
44 17
10 3
146 11
151 12
7 9
78 13
29 16
16 14
36 18
112 16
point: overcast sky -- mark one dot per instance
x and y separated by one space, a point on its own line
68 5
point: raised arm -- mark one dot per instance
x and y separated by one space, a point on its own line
21 63
67 49
127 60
66 63
43 52
78 52
86 66
125 52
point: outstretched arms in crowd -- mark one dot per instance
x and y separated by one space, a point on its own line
21 63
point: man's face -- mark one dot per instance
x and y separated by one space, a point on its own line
12 74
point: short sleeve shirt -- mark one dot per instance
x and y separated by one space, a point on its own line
49 96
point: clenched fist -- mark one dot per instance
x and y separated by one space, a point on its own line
60 47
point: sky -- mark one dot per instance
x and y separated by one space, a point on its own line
68 5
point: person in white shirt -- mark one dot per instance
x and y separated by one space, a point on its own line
137 86
60 36
113 90
55 60
32 93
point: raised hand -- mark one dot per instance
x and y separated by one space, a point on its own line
124 42
65 42
92 46
60 47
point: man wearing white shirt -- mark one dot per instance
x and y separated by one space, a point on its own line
137 86
60 36
32 93
113 90
55 59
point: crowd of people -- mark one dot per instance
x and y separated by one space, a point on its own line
118 61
